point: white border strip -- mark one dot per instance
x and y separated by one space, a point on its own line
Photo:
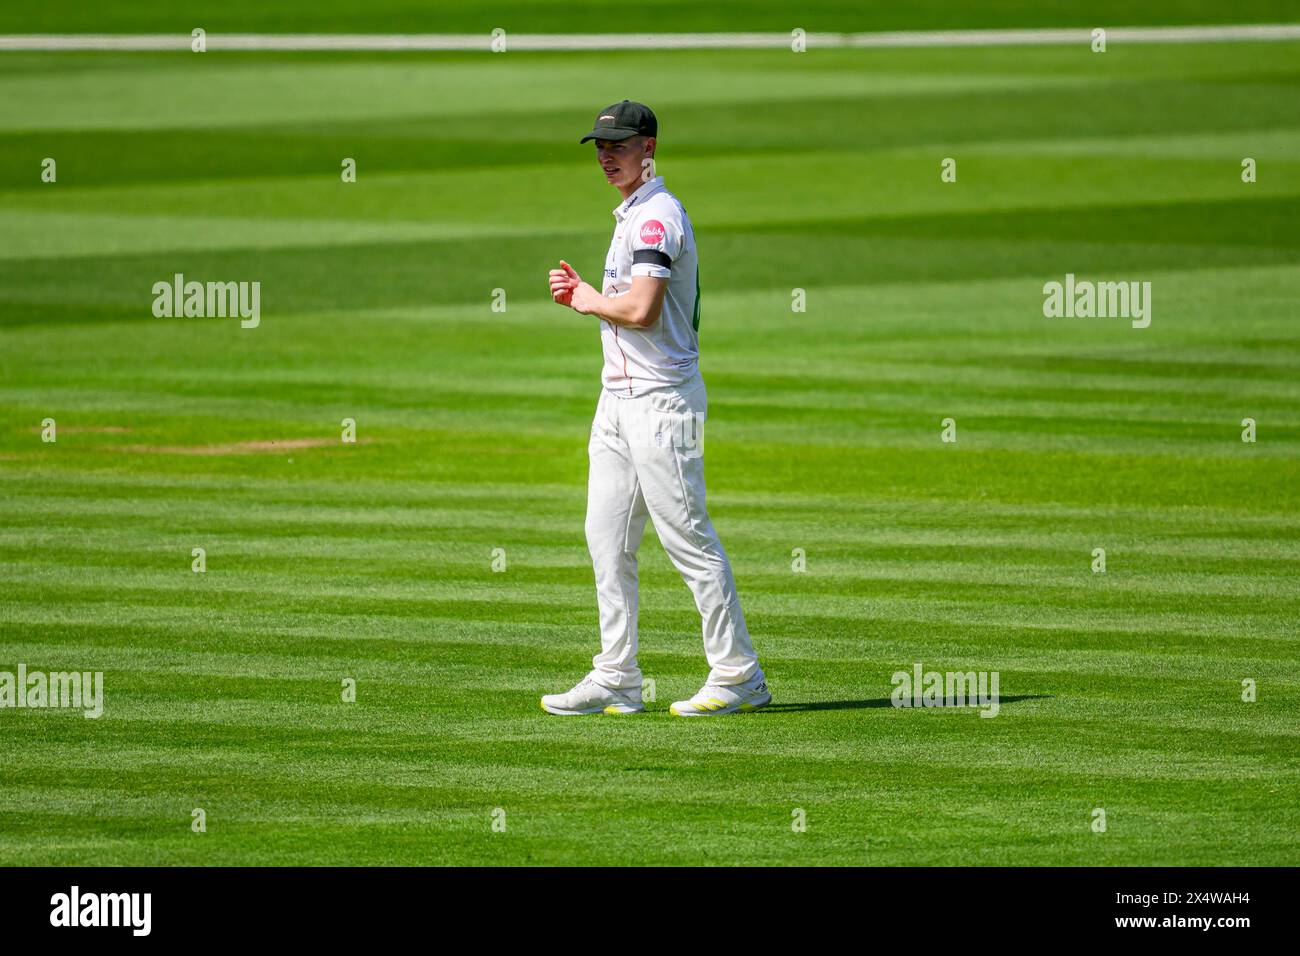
308 42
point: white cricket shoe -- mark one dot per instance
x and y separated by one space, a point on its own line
714 700
588 697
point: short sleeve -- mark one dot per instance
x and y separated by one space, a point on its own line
656 243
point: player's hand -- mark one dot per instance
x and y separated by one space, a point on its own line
563 281
584 299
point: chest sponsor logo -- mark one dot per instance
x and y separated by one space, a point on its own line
652 232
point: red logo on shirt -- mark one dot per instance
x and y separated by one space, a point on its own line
652 232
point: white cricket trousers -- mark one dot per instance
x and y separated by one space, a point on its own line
647 461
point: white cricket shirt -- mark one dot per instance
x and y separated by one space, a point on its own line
652 237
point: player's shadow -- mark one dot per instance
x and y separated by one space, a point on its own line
878 702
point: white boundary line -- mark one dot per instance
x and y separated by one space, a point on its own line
308 42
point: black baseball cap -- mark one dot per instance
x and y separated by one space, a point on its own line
623 121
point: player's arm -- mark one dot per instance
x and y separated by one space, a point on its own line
639 308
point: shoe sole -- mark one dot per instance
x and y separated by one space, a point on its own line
612 709
744 708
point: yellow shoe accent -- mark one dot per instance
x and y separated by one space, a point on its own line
543 706
673 710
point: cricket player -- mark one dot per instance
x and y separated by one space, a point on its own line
645 450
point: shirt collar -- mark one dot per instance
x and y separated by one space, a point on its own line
641 195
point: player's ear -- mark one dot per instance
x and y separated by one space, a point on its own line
649 145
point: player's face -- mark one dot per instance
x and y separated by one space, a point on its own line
621 160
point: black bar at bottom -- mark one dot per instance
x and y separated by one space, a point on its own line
302 905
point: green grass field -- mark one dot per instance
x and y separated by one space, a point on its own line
373 560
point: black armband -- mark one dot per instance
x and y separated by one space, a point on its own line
652 256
